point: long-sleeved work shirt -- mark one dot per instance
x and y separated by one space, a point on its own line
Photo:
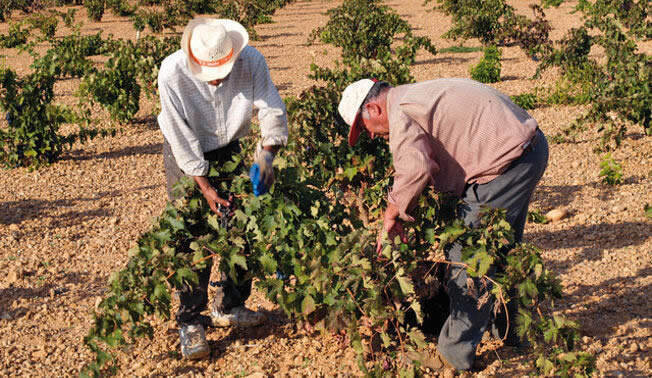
198 117
450 132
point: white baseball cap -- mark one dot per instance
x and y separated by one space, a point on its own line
212 46
349 107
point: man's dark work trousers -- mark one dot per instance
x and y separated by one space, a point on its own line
511 190
193 299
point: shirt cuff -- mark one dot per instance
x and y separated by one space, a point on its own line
199 168
275 140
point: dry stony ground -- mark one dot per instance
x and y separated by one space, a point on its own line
66 227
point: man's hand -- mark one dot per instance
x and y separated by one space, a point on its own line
210 194
392 226
262 172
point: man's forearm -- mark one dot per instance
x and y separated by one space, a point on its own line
202 181
391 212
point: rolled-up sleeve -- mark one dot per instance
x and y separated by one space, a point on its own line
415 167
186 147
271 109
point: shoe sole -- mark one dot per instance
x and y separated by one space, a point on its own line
197 355
228 323
220 323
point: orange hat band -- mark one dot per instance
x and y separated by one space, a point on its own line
210 63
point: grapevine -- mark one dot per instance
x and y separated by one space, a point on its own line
316 229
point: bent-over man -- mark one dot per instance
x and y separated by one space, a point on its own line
463 137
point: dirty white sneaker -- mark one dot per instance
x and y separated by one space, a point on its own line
237 317
193 342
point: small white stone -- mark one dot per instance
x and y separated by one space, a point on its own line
556 214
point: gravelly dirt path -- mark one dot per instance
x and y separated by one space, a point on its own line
65 228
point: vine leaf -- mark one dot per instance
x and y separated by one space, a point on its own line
185 275
404 282
307 305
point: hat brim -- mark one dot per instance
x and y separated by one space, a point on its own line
355 130
235 31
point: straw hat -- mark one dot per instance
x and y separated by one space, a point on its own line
212 46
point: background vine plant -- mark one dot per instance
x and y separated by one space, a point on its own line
617 89
15 36
32 137
488 68
494 22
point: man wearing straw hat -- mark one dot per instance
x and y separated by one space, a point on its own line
208 89
463 137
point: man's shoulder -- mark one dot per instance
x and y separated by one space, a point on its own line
250 55
426 92
172 64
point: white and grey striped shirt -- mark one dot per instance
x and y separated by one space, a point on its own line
197 117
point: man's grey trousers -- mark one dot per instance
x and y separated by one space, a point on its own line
194 298
511 190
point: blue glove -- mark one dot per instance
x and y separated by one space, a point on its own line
280 275
254 176
261 173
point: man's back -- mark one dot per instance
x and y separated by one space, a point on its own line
475 131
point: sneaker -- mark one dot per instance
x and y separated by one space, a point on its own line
193 342
238 317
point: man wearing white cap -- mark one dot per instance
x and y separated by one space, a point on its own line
462 137
208 90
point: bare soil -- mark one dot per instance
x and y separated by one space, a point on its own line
66 227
